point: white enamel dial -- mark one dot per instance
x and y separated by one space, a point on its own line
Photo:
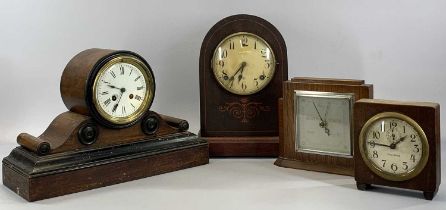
122 90
323 122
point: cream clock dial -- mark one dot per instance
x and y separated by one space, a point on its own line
393 146
122 90
243 63
323 122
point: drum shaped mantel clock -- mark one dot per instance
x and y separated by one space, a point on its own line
397 145
243 62
109 135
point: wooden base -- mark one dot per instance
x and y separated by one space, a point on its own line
297 164
243 146
428 195
36 177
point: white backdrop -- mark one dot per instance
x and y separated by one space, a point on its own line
397 45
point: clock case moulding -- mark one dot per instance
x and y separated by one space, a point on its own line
76 153
225 123
427 116
288 156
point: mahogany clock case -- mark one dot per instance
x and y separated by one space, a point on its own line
289 156
78 152
427 116
237 125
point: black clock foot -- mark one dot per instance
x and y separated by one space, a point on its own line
363 186
429 195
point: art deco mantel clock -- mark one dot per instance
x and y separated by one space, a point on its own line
397 144
316 123
109 135
243 63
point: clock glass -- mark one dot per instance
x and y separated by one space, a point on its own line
243 63
393 146
123 90
323 122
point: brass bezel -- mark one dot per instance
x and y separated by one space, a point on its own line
148 97
386 175
248 34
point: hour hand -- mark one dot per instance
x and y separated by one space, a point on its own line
112 86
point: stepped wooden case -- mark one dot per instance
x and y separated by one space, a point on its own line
290 155
238 122
82 150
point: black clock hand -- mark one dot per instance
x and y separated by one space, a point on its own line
320 117
393 145
114 87
323 123
231 79
374 143
240 76
327 131
119 100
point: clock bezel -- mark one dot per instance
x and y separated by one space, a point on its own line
100 67
378 171
273 60
319 94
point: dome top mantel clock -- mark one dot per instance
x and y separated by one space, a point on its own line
243 62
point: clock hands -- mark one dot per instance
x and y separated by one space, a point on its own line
231 79
391 146
122 90
372 143
323 124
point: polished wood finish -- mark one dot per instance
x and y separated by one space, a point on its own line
79 151
427 115
62 136
328 80
288 156
76 84
118 155
244 146
238 125
35 177
73 83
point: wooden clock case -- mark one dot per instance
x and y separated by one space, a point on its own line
427 115
236 125
77 152
289 157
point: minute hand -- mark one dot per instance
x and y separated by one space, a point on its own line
374 143
231 79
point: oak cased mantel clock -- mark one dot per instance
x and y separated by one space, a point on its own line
243 62
316 123
397 144
108 136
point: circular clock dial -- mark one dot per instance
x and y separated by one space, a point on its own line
123 90
394 146
243 63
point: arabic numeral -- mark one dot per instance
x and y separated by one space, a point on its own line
375 154
394 167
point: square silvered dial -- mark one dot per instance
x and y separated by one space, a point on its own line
323 122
